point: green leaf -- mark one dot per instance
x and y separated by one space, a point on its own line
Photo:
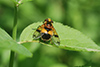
70 38
8 43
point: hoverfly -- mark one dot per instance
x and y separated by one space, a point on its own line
46 32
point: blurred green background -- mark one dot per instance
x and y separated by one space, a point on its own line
83 15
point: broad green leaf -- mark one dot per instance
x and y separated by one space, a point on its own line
70 38
8 43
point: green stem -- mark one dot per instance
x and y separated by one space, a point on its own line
14 34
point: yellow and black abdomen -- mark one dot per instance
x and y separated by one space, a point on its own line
46 34
46 37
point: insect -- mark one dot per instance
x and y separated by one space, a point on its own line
46 32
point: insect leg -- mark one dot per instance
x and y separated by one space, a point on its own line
55 42
39 36
51 41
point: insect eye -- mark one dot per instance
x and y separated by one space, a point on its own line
46 20
51 21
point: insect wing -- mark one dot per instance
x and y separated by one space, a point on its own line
56 37
37 34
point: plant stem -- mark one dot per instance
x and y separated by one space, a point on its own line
14 34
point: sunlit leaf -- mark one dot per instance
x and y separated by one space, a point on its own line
70 38
8 43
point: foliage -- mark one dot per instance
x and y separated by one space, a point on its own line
70 38
8 43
